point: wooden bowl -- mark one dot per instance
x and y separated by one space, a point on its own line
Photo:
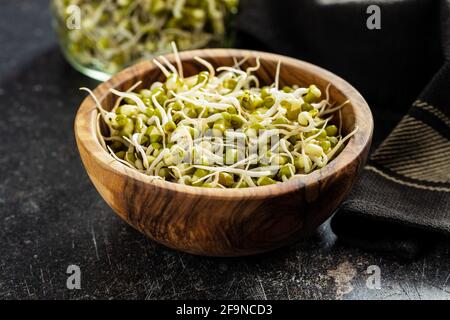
231 222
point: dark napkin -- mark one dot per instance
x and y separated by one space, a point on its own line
403 194
404 191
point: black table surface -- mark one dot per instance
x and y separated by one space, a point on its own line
51 216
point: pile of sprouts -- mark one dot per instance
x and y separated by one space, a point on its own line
115 33
220 128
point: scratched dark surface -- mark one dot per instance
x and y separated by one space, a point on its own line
51 216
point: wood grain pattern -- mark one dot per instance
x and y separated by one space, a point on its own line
230 222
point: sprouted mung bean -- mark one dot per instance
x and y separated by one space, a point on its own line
219 128
115 33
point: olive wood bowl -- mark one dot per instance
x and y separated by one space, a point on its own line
227 222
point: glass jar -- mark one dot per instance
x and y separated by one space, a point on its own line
101 37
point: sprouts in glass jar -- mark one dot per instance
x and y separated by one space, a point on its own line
100 37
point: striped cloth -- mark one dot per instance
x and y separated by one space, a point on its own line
405 188
417 152
402 200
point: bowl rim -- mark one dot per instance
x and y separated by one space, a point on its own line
86 138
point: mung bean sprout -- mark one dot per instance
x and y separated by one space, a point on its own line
219 129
